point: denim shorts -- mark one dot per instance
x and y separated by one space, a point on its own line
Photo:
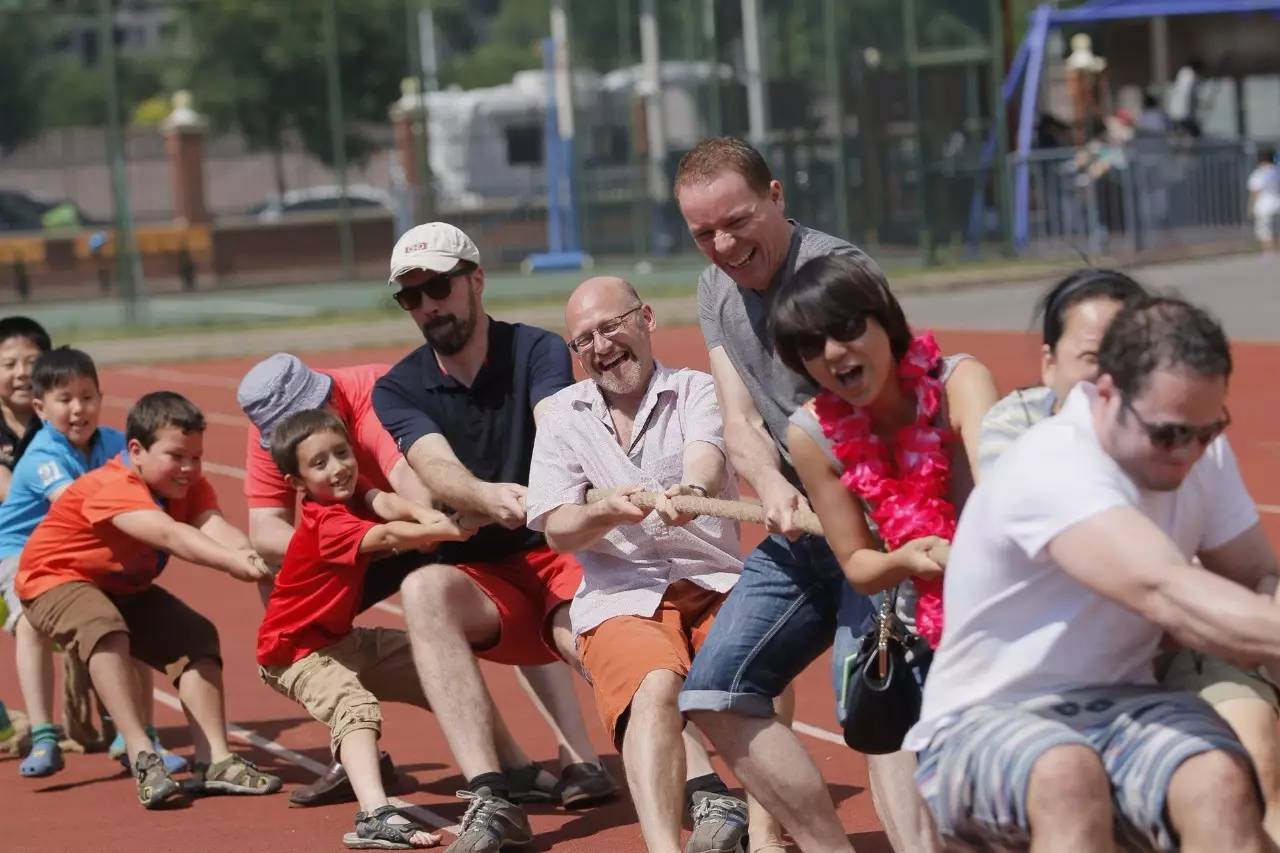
779 617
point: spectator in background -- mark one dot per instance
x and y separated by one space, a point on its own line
1184 99
1264 199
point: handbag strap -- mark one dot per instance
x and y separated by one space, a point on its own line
884 626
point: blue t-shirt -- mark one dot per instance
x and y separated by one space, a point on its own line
49 463
489 425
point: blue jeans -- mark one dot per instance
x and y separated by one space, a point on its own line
780 616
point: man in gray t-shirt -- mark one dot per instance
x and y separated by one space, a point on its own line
783 612
735 319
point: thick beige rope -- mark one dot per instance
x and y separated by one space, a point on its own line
741 510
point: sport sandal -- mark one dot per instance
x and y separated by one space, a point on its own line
234 775
376 831
155 785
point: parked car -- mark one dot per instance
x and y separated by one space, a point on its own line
321 198
20 211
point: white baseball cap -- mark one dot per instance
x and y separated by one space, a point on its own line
435 246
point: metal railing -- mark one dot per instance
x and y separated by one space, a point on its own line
1147 195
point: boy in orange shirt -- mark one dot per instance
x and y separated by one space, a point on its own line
86 580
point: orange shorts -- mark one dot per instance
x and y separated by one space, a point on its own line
619 652
527 587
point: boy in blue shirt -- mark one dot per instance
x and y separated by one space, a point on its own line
68 400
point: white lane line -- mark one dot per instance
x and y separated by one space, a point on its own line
819 733
212 380
1270 509
219 418
267 745
224 470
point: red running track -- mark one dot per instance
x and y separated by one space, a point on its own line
91 806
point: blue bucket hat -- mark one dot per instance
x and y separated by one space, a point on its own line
277 387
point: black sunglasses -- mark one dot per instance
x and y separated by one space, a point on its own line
1171 436
811 344
437 287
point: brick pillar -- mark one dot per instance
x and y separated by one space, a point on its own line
408 117
184 132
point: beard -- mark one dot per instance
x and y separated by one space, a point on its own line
623 379
448 333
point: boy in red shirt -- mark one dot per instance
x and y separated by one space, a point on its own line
307 647
86 579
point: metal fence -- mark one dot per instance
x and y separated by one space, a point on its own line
1150 194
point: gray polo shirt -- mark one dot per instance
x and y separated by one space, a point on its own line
736 319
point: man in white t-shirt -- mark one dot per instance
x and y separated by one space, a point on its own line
1042 722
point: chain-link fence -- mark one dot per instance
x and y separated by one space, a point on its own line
303 151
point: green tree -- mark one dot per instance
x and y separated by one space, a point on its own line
260 68
23 76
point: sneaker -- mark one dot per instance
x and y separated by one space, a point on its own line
719 824
120 752
490 824
234 775
585 784
155 785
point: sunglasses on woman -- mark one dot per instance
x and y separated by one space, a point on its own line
1171 436
811 344
437 287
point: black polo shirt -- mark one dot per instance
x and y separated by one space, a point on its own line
489 425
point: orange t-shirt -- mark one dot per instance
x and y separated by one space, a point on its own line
77 541
352 400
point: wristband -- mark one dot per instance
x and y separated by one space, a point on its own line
701 490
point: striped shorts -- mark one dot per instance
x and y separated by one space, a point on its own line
975 772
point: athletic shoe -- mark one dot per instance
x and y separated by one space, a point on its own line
490 824
120 752
155 785
719 824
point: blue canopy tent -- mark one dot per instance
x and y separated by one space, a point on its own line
1029 61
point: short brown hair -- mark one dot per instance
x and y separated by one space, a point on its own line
297 428
159 410
720 154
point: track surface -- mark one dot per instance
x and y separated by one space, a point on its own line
90 805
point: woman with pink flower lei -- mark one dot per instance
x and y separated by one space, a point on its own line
884 451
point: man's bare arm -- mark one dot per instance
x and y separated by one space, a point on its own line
1121 554
270 529
751 448
407 484
1247 559
449 481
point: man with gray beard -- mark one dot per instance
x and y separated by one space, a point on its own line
652 581
462 409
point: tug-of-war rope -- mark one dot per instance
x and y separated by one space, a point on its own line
747 510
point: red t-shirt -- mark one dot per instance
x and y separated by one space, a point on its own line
76 541
352 401
319 584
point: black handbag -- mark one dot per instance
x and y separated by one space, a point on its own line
882 683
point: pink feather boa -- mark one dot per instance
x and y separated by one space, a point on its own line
907 494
